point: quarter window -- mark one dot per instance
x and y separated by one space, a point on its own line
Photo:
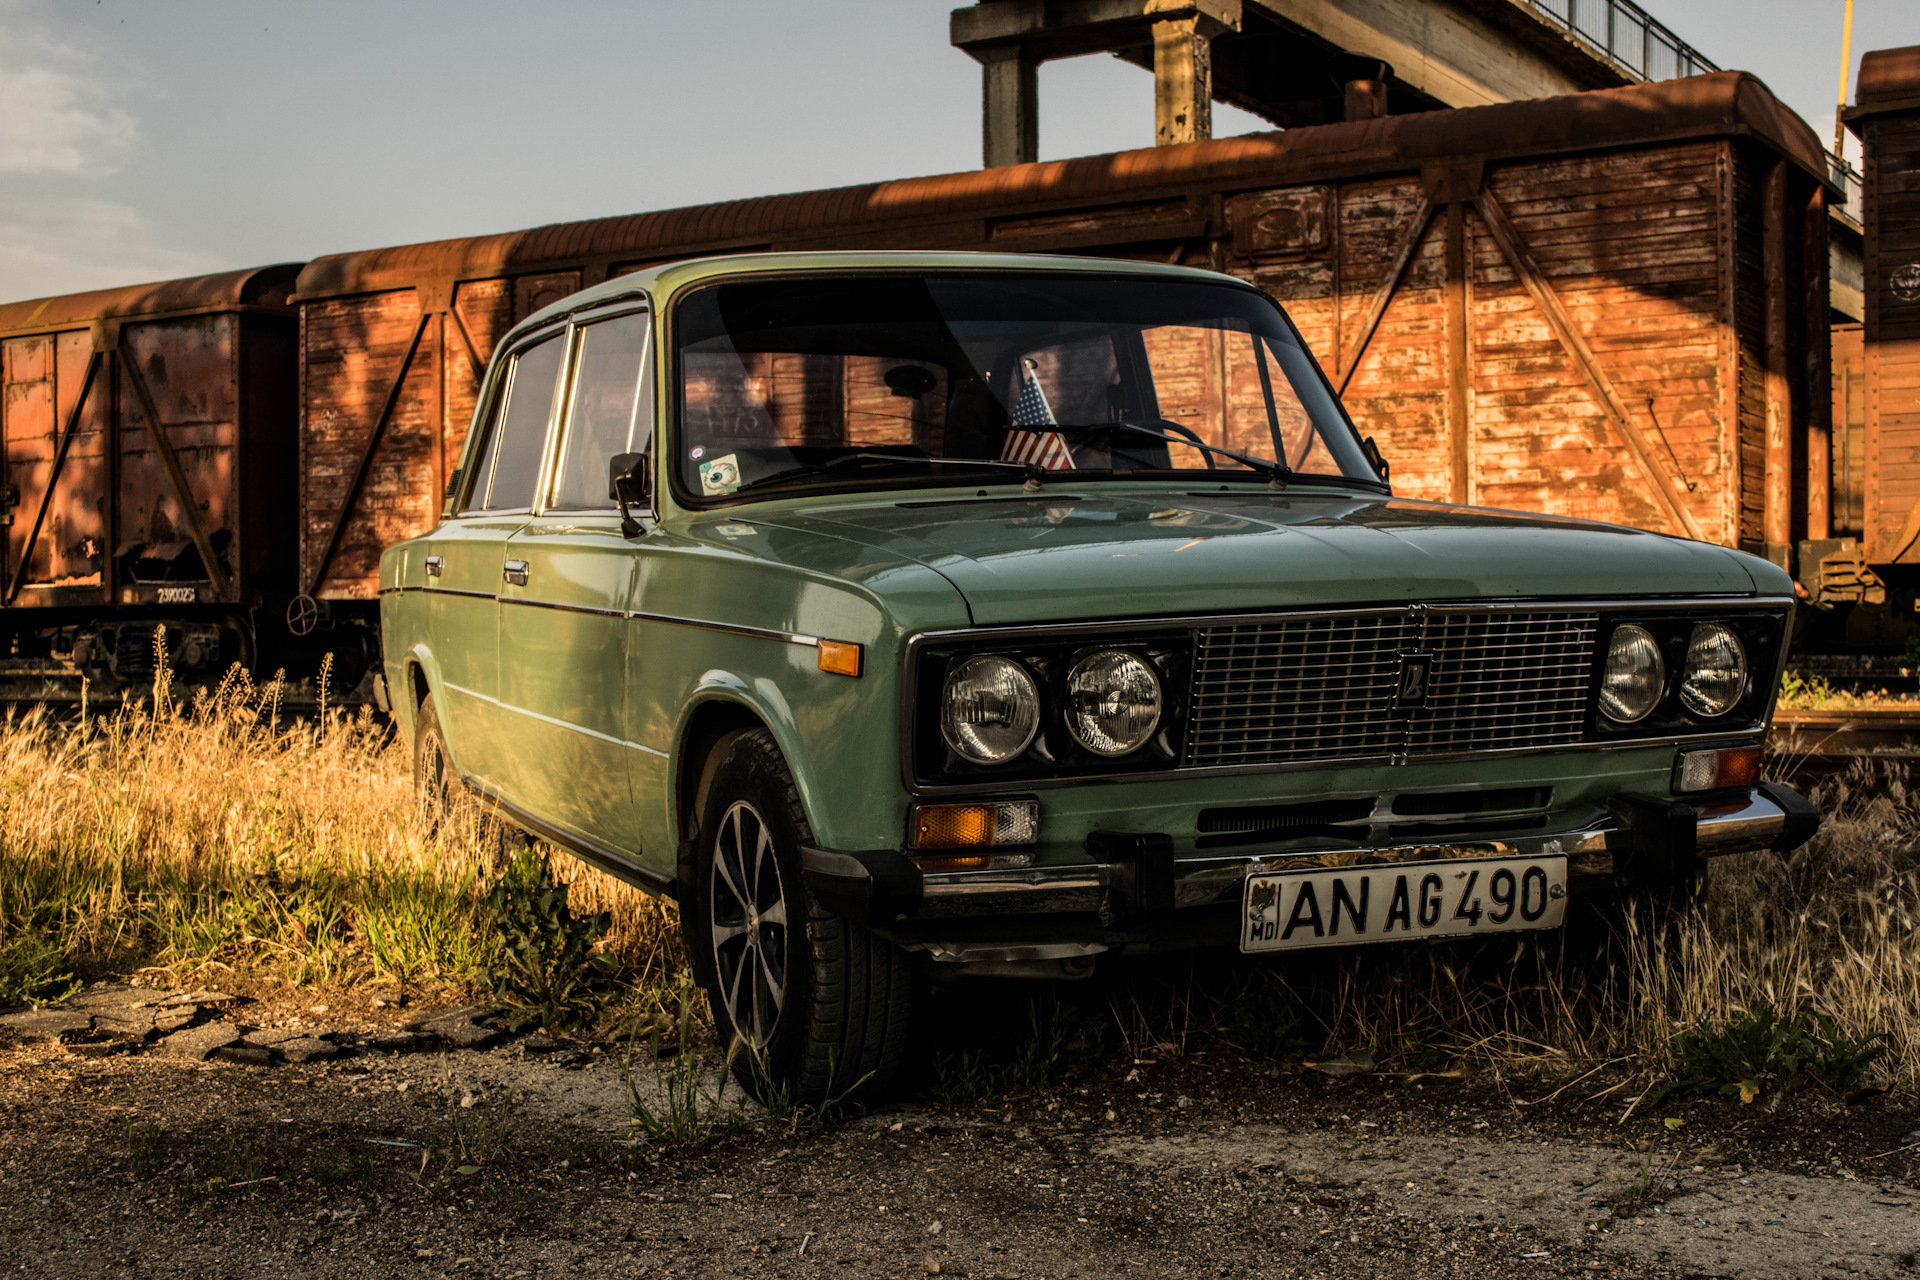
510 467
609 411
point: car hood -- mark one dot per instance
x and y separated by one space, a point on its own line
1054 557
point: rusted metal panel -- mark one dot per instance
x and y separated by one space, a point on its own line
56 416
178 482
370 422
125 519
1887 118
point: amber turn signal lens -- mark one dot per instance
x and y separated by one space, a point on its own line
840 658
1715 770
972 826
953 826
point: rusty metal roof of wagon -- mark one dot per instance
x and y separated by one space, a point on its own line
1727 103
269 286
1889 81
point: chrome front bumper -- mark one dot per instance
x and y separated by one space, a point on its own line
1644 842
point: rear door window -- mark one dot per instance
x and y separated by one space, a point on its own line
609 410
510 466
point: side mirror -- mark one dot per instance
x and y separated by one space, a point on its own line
628 481
1375 460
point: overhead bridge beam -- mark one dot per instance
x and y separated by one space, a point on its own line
1279 59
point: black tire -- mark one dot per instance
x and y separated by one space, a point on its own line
433 776
819 1011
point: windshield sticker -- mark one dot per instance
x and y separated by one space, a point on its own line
722 475
697 452
735 530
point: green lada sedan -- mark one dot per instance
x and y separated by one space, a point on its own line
907 616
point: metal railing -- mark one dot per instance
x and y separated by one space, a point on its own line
1625 35
1847 178
1629 38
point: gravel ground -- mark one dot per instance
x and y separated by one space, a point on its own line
519 1160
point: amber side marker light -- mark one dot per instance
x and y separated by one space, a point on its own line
840 657
1717 769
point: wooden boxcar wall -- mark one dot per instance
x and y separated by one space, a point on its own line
1635 333
1887 119
115 529
1582 335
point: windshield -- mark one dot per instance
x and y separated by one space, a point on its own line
872 378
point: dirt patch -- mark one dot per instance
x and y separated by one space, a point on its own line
520 1160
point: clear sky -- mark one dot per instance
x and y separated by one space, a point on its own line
143 139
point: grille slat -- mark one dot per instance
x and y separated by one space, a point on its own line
1324 688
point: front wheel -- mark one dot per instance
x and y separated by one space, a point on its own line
810 1002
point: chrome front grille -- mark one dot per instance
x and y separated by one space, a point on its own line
1504 680
1329 687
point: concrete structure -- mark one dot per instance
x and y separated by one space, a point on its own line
1304 62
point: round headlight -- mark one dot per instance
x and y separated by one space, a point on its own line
1636 675
1113 702
989 710
1716 671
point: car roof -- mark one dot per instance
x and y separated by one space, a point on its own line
660 282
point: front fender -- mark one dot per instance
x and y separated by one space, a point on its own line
839 746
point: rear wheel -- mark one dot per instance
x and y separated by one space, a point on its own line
433 775
438 794
812 1003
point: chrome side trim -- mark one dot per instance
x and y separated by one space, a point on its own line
730 628
1733 826
634 615
563 608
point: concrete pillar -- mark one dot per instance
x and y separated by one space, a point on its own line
1182 78
1010 101
1363 81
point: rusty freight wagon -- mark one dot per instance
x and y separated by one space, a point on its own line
1609 305
150 472
1886 116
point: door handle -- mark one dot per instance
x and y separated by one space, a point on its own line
433 566
515 572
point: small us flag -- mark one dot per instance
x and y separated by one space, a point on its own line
1046 449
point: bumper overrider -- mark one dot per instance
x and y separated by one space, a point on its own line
1131 882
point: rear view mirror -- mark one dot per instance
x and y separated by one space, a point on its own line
627 481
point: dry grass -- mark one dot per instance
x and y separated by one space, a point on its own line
1816 693
219 835
1829 929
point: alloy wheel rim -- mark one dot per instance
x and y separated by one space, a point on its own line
749 924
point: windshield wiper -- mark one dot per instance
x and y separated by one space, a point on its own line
1031 471
1277 473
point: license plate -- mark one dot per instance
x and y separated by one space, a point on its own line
1287 910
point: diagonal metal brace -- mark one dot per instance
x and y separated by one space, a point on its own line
53 477
1409 243
1608 398
366 457
176 477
